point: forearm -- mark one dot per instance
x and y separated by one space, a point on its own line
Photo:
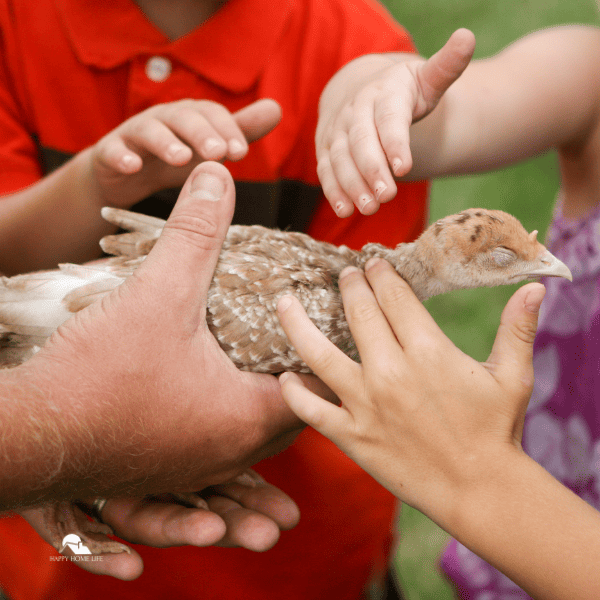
55 220
540 93
56 444
33 443
532 528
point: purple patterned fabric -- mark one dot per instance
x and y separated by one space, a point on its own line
562 427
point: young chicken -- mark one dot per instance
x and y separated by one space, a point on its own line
476 248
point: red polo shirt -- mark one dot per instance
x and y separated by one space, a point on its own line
72 70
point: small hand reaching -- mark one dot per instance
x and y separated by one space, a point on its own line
366 111
159 147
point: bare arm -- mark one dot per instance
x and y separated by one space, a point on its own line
442 431
541 92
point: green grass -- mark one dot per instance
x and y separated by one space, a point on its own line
470 318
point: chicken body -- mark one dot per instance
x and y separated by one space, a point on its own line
476 248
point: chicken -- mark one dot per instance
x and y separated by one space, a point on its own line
475 248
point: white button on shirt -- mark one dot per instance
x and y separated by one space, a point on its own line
158 68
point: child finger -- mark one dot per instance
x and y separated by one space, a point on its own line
225 125
198 132
446 65
114 154
367 153
349 178
258 118
370 329
328 362
408 318
393 115
155 137
339 201
329 420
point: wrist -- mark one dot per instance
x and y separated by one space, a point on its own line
478 490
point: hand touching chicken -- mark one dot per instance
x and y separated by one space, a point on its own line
422 417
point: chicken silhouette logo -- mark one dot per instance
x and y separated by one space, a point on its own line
74 542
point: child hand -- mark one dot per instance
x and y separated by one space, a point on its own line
247 516
159 147
365 115
424 419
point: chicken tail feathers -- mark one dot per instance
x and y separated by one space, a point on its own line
143 233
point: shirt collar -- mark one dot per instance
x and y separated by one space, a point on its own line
240 37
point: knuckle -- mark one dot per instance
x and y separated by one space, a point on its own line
323 358
525 332
362 312
199 230
394 294
323 166
359 134
338 150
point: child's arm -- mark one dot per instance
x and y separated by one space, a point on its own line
541 92
442 432
58 218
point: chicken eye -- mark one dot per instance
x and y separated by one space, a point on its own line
503 256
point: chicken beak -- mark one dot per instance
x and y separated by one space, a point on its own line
549 266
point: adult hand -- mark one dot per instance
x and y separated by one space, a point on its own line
134 393
365 114
246 515
426 420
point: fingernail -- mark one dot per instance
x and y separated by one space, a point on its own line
174 150
246 480
338 207
396 164
127 161
235 147
205 186
284 303
283 377
380 187
347 271
364 200
372 262
533 300
210 144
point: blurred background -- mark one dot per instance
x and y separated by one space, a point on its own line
470 318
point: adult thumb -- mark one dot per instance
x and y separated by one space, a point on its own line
511 359
184 257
